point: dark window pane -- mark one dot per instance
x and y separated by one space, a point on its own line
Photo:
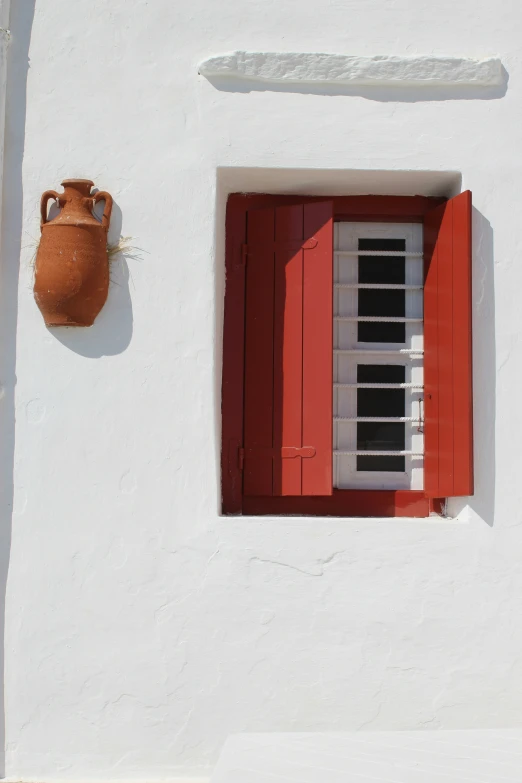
385 436
381 332
393 464
382 302
382 269
380 402
379 269
381 373
380 436
382 244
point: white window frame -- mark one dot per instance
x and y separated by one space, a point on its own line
348 353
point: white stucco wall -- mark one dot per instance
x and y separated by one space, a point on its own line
140 627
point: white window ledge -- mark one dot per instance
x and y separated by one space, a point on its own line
310 67
358 757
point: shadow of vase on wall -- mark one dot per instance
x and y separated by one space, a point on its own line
72 264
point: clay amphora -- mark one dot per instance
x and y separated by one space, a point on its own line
72 265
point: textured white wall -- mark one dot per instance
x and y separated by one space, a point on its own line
142 628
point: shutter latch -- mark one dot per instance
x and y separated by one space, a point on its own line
285 452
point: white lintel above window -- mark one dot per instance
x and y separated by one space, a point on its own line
380 70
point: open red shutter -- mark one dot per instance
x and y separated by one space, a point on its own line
287 446
448 463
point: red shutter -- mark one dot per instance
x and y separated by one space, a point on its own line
287 446
448 461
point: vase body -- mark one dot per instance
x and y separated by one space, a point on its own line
72 264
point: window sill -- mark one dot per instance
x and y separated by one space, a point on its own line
434 519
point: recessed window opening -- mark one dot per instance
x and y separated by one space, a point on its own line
347 372
378 356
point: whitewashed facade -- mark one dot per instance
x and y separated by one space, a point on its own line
141 627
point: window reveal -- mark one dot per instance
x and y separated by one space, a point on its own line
280 452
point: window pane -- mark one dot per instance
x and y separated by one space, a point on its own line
382 302
390 464
381 373
382 244
380 402
381 332
380 436
382 269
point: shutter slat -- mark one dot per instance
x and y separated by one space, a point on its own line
431 354
462 345
318 350
447 358
288 348
259 354
445 262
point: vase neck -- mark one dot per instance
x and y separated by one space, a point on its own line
77 189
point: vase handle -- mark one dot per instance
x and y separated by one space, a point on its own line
43 204
101 195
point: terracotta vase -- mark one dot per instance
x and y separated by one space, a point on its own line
72 265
